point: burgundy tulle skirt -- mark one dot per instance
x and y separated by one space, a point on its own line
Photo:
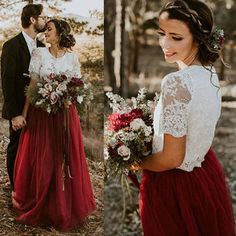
180 203
46 193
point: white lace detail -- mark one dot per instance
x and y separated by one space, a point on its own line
43 63
176 100
35 63
189 105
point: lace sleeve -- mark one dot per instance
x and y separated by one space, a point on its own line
76 66
176 101
35 63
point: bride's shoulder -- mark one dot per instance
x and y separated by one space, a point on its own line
174 76
72 54
177 79
39 51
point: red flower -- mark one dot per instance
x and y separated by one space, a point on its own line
64 77
118 121
76 82
137 113
111 152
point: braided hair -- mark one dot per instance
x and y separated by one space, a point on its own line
200 21
66 39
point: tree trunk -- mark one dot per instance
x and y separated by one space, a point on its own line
135 56
109 40
125 56
117 52
222 67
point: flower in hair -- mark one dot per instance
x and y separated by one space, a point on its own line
217 39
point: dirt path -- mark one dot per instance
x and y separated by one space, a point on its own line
8 225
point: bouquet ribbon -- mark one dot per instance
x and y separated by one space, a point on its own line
133 177
66 154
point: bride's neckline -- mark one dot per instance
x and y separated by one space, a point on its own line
197 66
54 56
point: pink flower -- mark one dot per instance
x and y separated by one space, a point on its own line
54 97
61 88
51 76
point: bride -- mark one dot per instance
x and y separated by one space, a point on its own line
183 190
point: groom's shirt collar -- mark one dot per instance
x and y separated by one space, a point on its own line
31 43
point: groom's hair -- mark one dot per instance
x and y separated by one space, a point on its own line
30 10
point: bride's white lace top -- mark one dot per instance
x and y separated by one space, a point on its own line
190 104
43 63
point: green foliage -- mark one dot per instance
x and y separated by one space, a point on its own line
97 31
78 27
92 118
92 57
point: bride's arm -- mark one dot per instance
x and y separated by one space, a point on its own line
33 82
176 105
170 157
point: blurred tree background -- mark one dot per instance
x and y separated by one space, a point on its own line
89 35
133 59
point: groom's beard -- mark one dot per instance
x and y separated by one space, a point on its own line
39 28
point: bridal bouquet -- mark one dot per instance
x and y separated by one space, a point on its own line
128 132
57 91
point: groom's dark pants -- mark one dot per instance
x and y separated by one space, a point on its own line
11 152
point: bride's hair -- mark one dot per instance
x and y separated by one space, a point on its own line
200 21
66 39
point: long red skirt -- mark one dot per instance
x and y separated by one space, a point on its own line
180 203
45 197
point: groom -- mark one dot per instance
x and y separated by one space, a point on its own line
15 59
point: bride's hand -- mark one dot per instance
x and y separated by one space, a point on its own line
67 104
135 167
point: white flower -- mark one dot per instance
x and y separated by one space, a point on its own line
55 83
137 123
125 136
106 154
86 86
80 99
48 87
148 139
147 130
48 109
44 92
61 88
39 102
124 152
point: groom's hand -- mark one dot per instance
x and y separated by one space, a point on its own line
18 122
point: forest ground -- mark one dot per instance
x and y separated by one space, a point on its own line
8 225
